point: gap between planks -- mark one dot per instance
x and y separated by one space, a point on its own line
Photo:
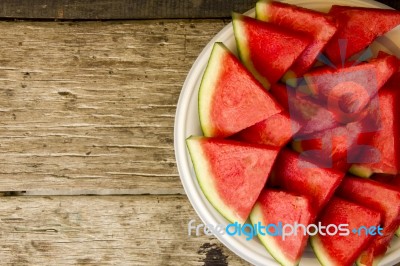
121 9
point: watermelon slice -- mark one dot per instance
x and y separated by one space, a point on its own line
274 207
230 99
231 174
318 25
379 197
267 50
276 130
347 90
304 110
384 155
280 92
293 173
339 147
343 250
355 30
391 180
336 147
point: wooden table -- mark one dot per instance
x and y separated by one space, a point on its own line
88 173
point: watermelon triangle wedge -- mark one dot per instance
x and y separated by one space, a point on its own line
274 207
336 147
230 98
307 114
358 27
347 90
316 24
391 180
294 173
231 174
266 49
384 143
381 198
343 250
276 130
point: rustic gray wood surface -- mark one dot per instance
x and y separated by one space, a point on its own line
121 9
107 230
88 108
128 9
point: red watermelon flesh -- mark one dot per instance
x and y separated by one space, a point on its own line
280 92
336 147
384 153
293 173
230 98
393 180
231 174
358 27
343 250
318 25
267 50
274 207
379 197
304 110
347 90
276 130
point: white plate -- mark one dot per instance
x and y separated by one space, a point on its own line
187 124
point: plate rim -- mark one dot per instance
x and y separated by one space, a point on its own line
181 155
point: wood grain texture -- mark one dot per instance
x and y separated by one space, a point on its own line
121 9
90 106
117 230
128 9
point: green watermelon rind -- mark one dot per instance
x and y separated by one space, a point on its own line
361 171
398 232
208 82
374 263
261 6
297 146
319 251
268 241
242 46
262 12
204 177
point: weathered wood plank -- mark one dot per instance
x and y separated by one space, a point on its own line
90 106
121 9
128 9
117 230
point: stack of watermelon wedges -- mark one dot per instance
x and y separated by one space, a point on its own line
303 126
